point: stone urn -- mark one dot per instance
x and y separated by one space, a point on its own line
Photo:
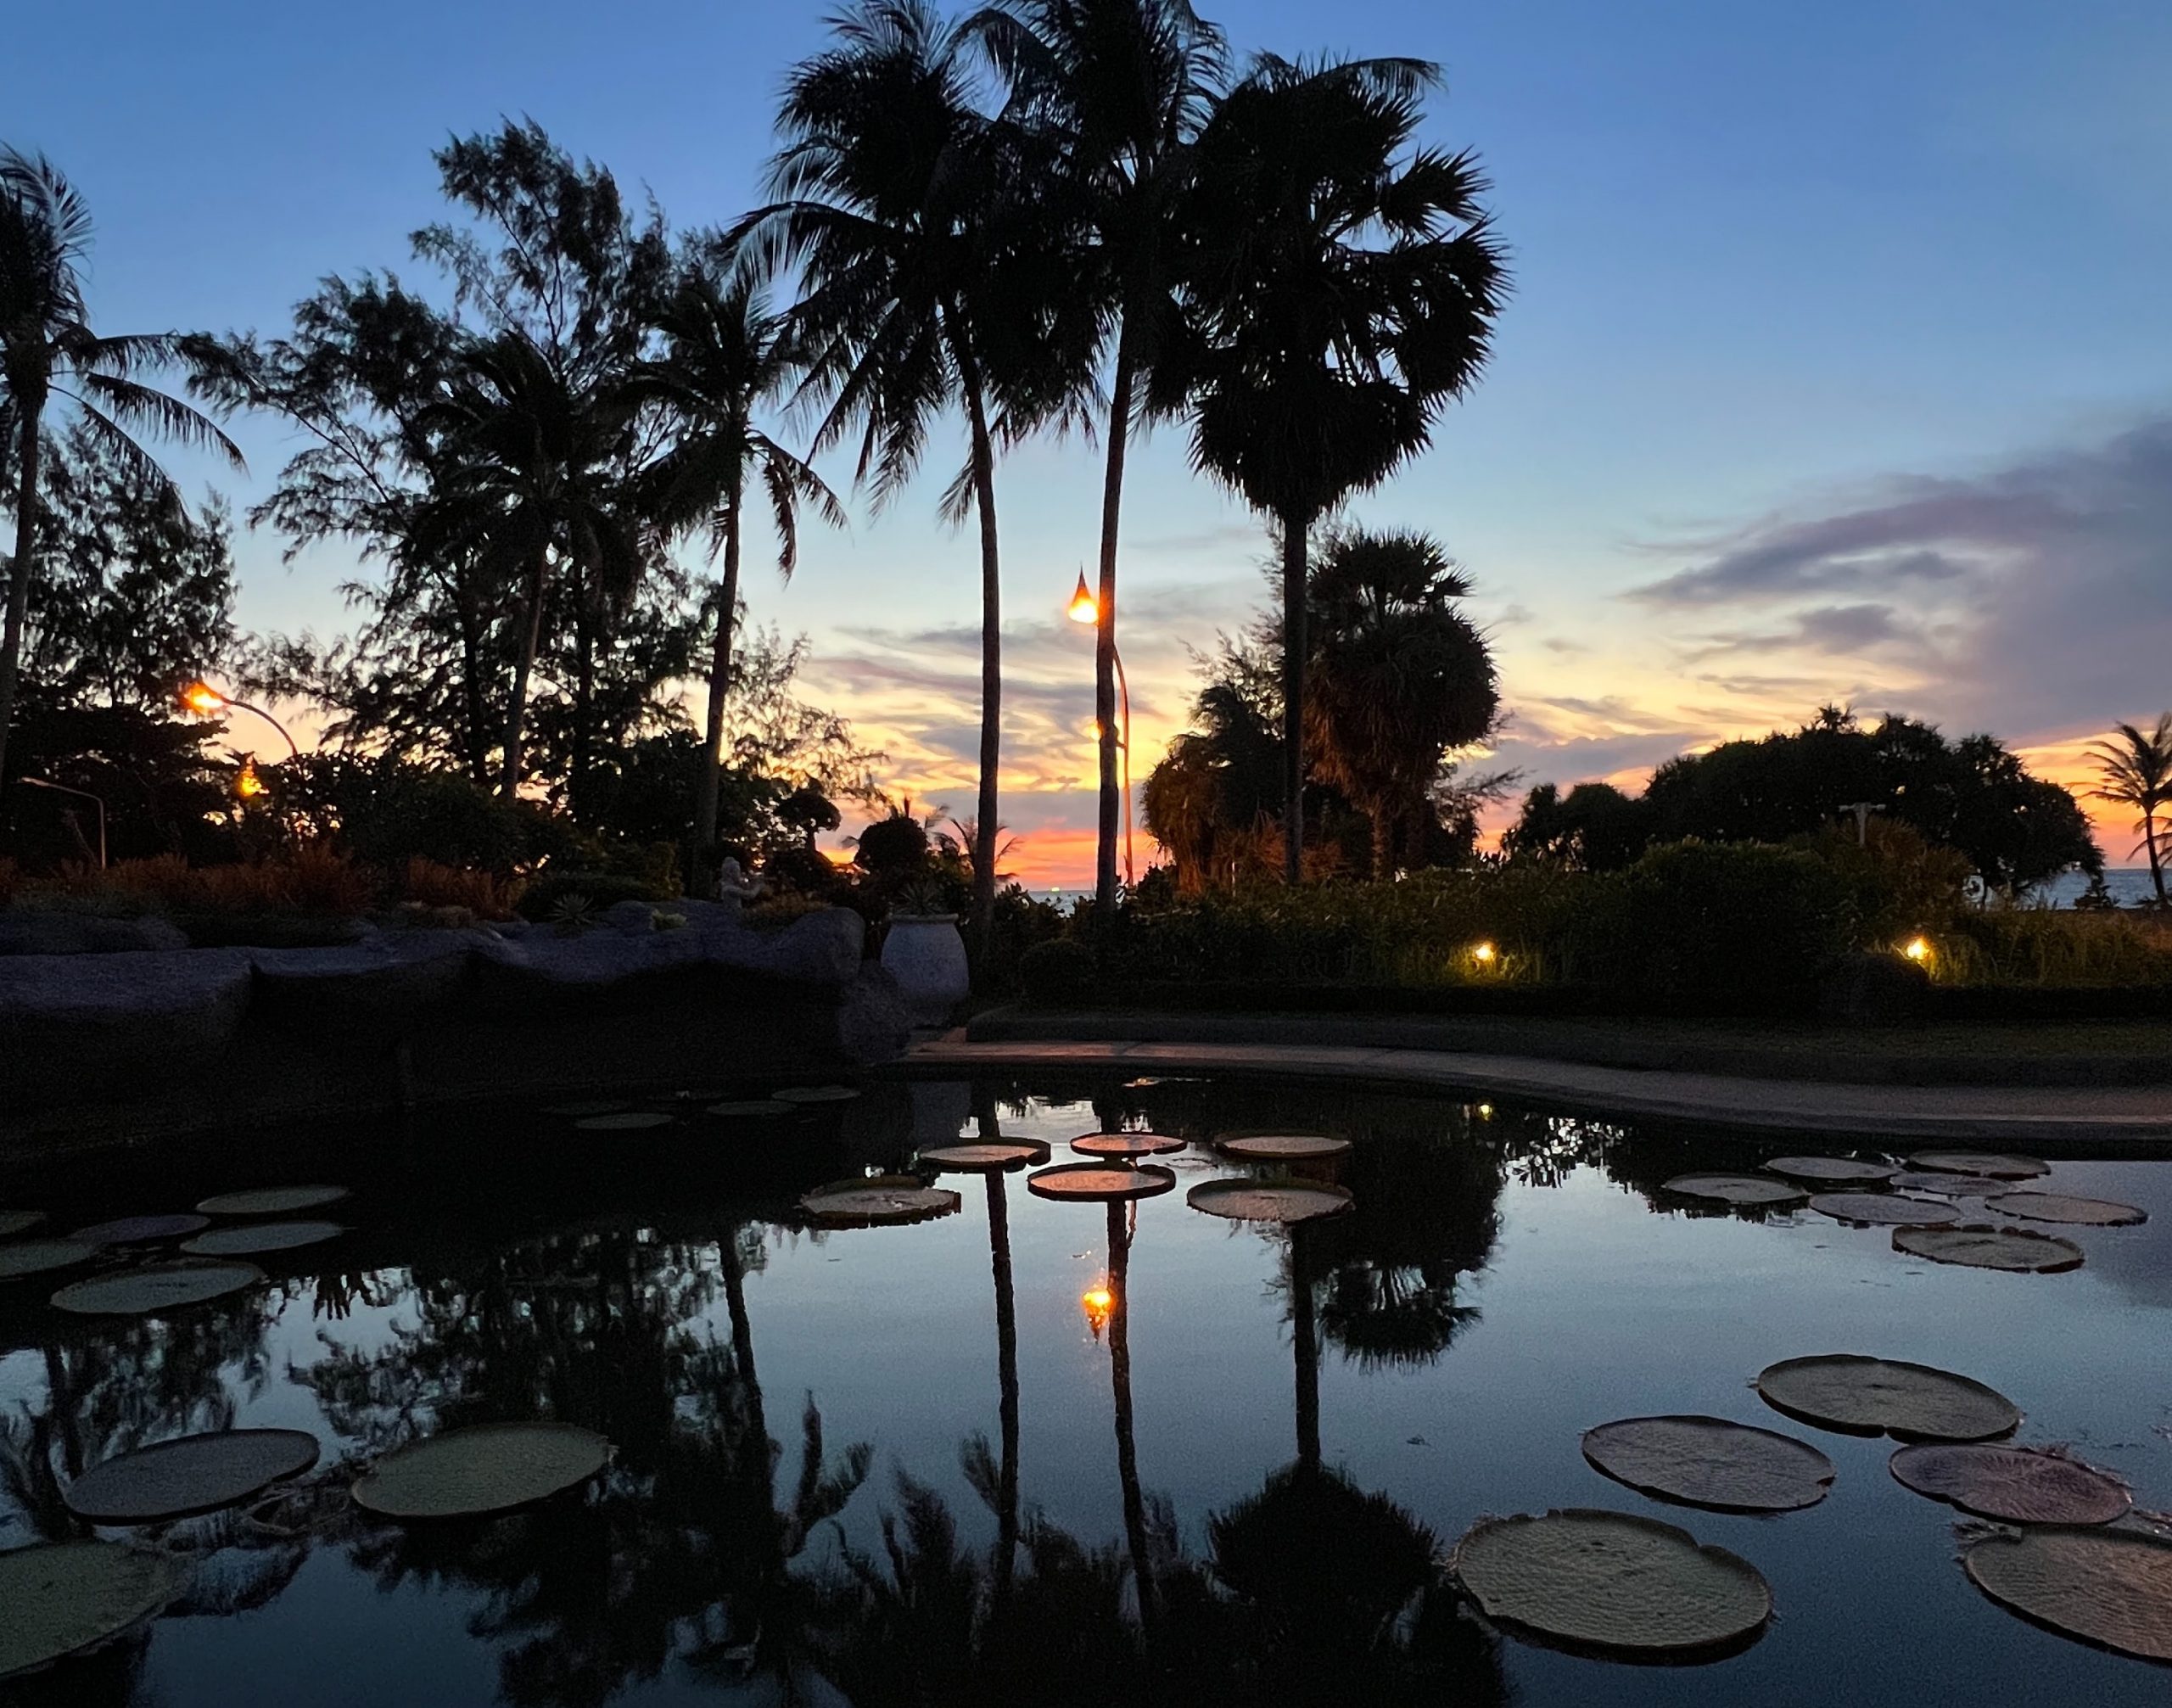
924 953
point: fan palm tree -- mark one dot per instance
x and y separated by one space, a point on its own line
48 350
724 357
1343 287
926 281
1123 87
2136 766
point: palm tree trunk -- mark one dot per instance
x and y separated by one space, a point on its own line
2156 854
1383 844
585 615
1305 1335
1294 528
19 581
530 640
476 741
985 827
711 785
1134 1498
1105 626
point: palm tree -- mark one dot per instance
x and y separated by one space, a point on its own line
1398 677
1342 289
926 280
2136 769
48 350
724 357
1123 87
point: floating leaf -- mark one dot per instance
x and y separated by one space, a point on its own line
1843 1171
2109 1587
982 1159
466 1472
1945 1185
2018 1485
629 1121
881 1202
140 1231
2014 1250
581 1112
817 1094
68 1596
1283 1147
752 1109
1287 1203
1118 1145
1612 1582
156 1287
1991 1164
1863 1396
1884 1208
1707 1461
1743 1190
194 1474
36 1256
1100 1182
14 1222
273 1200
2058 1207
260 1236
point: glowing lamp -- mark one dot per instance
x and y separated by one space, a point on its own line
1099 1302
1485 955
1085 608
247 784
202 697
1918 949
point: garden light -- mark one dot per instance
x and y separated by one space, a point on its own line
1918 950
247 784
1485 955
1085 608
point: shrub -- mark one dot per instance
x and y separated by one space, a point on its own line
1059 971
1734 924
895 845
11 880
542 900
2046 949
427 883
386 812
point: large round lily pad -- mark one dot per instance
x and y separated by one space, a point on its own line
628 1121
273 1200
1100 1182
817 1094
1284 1147
1990 1164
2015 1249
581 1112
194 1474
1885 1209
1837 1171
1611 1582
140 1231
1855 1395
1116 1146
260 1236
1945 1186
467 1473
36 1256
14 1222
1287 1203
2109 1587
156 1287
752 1109
982 1159
881 1201
2058 1207
1746 1190
2016 1484
69 1596
1710 1462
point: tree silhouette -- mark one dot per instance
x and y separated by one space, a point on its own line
2136 768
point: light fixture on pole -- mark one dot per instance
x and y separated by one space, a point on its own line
79 794
205 700
1086 611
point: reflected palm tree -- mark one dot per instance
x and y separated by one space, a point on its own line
1134 1500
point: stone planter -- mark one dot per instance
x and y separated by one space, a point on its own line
926 955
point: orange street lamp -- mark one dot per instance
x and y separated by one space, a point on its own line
204 699
1086 611
247 784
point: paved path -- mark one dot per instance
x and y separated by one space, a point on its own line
2106 1119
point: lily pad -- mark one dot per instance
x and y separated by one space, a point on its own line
260 1236
2058 1207
1287 1203
627 1120
467 1473
1991 1164
881 1201
68 1596
2112 1588
273 1200
752 1109
36 1256
1708 1462
1853 1395
817 1094
194 1474
2015 1249
14 1222
1122 1145
1944 1185
2018 1485
1748 1191
140 1231
156 1287
1886 1209
1100 1182
1284 1147
1612 1583
982 1159
581 1112
1839 1171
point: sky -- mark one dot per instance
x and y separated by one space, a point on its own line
1839 366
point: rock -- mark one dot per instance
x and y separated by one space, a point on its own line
89 1020
873 1024
37 931
394 973
1877 990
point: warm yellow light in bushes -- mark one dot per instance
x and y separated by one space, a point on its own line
1485 955
1918 949
247 784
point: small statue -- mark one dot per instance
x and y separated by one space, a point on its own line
733 888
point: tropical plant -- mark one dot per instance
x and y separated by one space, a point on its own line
48 350
2134 767
1341 288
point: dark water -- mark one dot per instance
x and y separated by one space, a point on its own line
1504 1283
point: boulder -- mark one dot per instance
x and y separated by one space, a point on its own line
42 931
97 1021
387 974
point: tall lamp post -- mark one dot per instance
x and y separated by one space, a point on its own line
79 794
204 699
1086 611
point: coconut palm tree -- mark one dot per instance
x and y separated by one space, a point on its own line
927 278
1342 286
48 350
2136 767
725 358
1123 88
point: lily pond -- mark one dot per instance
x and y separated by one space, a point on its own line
849 1409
